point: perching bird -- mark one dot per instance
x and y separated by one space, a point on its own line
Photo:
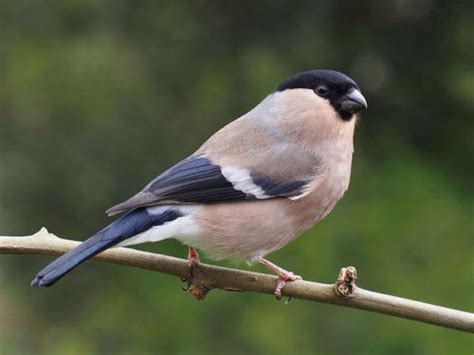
252 187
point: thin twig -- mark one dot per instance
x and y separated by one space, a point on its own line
207 277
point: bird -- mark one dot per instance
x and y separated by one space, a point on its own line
254 186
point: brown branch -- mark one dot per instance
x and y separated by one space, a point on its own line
207 277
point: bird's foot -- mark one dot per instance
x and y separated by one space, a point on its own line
282 279
198 291
283 276
193 259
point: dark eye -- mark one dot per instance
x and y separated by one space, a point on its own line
322 91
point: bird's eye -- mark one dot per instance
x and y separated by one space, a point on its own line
322 91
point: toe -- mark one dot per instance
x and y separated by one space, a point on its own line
291 277
280 284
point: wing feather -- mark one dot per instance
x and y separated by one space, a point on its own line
197 180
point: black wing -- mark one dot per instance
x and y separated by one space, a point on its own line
198 180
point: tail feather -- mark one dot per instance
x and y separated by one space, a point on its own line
123 228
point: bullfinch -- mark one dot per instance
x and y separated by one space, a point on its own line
252 187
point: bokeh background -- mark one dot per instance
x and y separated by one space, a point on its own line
98 97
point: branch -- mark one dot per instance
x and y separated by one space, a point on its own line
207 277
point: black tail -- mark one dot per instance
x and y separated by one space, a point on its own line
123 228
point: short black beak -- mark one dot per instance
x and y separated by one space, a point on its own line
353 101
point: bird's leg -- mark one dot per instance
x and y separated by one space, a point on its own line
193 259
283 276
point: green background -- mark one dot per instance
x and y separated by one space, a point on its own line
98 97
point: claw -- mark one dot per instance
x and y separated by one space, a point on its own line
283 276
282 279
186 284
280 284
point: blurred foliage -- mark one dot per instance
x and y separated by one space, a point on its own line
98 97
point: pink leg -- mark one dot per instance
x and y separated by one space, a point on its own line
283 276
193 259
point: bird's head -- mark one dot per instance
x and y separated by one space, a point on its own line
340 91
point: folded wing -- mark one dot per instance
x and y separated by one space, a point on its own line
198 180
